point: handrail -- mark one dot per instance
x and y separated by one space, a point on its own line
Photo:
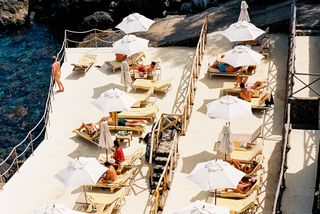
154 199
28 141
286 128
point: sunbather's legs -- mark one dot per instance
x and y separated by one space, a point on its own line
89 127
137 121
241 79
263 98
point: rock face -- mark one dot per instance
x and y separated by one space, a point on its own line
99 20
13 13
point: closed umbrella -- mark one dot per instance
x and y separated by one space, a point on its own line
244 15
241 56
56 209
114 100
242 31
215 174
105 140
126 79
200 207
229 108
226 146
130 44
135 22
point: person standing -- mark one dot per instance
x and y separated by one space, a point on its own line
56 73
125 75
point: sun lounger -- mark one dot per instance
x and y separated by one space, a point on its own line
243 154
142 98
236 206
216 72
138 129
230 193
93 139
100 201
149 112
122 180
231 89
252 167
85 62
133 59
159 85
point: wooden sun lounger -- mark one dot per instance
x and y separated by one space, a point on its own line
216 72
257 161
138 129
99 201
85 62
149 112
243 154
231 89
133 59
86 136
142 98
122 180
230 193
236 206
159 85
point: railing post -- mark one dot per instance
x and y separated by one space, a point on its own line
31 141
95 38
16 158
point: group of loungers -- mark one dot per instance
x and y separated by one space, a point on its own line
247 157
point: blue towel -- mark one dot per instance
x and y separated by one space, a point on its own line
222 67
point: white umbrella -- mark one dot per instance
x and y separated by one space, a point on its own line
242 31
55 209
135 22
244 15
105 140
241 56
200 207
130 44
114 100
229 108
215 174
226 146
81 171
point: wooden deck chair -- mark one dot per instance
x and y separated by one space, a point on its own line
252 167
92 139
129 159
85 62
231 89
99 201
159 85
230 193
142 98
149 112
236 206
133 59
138 129
123 180
243 154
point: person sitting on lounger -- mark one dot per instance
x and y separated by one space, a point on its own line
92 128
144 68
245 93
110 175
249 70
245 167
118 155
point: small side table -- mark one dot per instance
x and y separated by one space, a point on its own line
127 138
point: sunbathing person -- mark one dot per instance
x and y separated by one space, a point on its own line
245 185
110 175
245 93
92 128
144 68
241 79
244 167
248 70
128 122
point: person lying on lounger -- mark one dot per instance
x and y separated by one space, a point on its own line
244 167
245 185
92 128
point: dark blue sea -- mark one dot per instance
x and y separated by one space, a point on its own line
25 69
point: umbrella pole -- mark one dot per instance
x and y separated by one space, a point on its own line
85 194
215 197
107 156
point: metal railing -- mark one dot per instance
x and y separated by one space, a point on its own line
26 147
157 199
287 127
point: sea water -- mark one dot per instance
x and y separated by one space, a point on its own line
25 69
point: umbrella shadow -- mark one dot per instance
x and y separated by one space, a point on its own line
99 90
202 196
190 162
203 107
